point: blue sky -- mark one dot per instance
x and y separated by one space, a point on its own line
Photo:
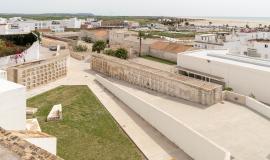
238 8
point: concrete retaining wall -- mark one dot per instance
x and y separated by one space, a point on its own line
258 106
248 102
190 141
234 97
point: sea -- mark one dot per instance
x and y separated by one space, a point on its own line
237 18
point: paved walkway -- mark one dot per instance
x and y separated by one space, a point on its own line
236 128
154 145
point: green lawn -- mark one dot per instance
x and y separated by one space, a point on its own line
87 131
158 60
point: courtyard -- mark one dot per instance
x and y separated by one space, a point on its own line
87 130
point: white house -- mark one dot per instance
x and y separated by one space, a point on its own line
254 44
245 75
209 41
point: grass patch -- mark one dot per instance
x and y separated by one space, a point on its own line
179 35
87 131
159 60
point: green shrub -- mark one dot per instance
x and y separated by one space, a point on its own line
252 96
80 48
8 48
228 89
99 46
20 40
121 53
87 39
109 52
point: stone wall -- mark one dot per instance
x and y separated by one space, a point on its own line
164 82
39 73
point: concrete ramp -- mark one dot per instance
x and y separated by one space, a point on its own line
190 141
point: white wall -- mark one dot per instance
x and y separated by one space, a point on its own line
49 144
31 54
12 106
243 80
258 106
3 74
190 141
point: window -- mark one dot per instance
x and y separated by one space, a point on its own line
266 45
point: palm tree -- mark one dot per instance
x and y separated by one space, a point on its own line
141 35
99 46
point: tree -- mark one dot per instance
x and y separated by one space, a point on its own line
187 23
121 53
99 46
210 23
141 35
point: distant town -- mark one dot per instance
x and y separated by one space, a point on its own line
81 86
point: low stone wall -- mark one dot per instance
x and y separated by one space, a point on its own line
234 97
164 82
258 106
191 142
39 73
79 55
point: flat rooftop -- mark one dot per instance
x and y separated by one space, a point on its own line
236 128
224 56
8 86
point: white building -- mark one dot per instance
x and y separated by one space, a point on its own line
12 105
71 23
13 116
255 44
245 75
14 19
209 41
3 21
